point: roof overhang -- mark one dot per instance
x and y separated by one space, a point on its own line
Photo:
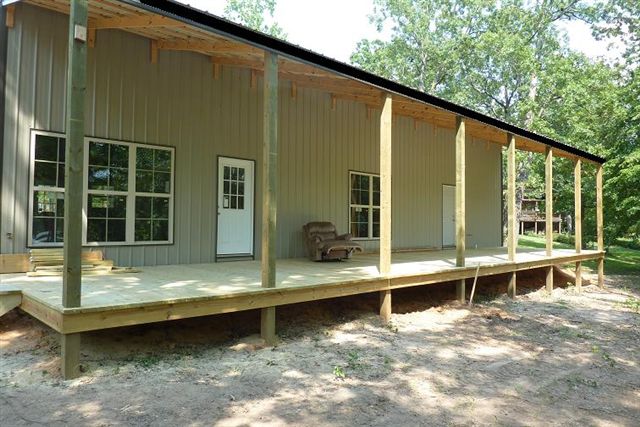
175 26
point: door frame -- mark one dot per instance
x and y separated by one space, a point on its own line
442 245
252 255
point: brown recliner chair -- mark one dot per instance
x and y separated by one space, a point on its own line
323 242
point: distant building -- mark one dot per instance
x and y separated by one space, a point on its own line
532 217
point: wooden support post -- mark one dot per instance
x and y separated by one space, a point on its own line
70 349
512 236
600 225
386 124
460 203
153 51
10 16
385 305
385 185
577 189
269 189
578 276
76 88
548 201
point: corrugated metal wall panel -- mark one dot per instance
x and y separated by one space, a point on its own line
177 102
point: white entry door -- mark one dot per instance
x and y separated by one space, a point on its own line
448 215
235 207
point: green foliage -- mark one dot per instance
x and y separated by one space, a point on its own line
632 304
619 259
254 14
511 60
338 372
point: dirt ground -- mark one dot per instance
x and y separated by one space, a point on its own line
564 359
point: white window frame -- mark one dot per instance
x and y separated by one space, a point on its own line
370 206
33 188
131 192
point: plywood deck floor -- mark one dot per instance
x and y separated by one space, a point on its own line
179 283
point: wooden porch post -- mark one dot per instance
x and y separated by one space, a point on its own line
512 236
577 190
460 203
269 190
548 230
74 154
600 225
385 201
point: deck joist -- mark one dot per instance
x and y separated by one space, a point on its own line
38 299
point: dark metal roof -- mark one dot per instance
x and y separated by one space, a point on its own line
246 35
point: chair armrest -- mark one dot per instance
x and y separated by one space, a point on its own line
346 236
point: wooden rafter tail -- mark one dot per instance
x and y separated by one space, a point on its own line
10 18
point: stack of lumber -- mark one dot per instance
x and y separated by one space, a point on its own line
49 262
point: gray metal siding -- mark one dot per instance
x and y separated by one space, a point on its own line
177 102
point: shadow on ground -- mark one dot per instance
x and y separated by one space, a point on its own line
565 358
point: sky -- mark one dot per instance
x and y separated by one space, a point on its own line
316 26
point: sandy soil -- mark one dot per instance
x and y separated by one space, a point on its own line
564 359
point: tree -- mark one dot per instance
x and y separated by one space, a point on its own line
252 13
510 60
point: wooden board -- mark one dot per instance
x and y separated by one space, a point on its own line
14 263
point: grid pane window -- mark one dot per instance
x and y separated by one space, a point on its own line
233 187
115 211
48 217
152 219
106 218
108 166
47 194
364 209
153 189
153 170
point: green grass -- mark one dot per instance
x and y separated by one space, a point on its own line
619 260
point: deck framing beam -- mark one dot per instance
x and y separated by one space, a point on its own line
460 203
548 202
512 235
600 224
269 189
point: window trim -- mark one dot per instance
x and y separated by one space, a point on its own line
33 187
370 206
131 193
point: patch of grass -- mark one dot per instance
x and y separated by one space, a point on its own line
339 373
353 360
146 361
393 328
576 380
632 303
619 260
595 349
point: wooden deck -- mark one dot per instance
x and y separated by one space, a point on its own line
180 291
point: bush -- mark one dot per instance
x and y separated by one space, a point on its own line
568 239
